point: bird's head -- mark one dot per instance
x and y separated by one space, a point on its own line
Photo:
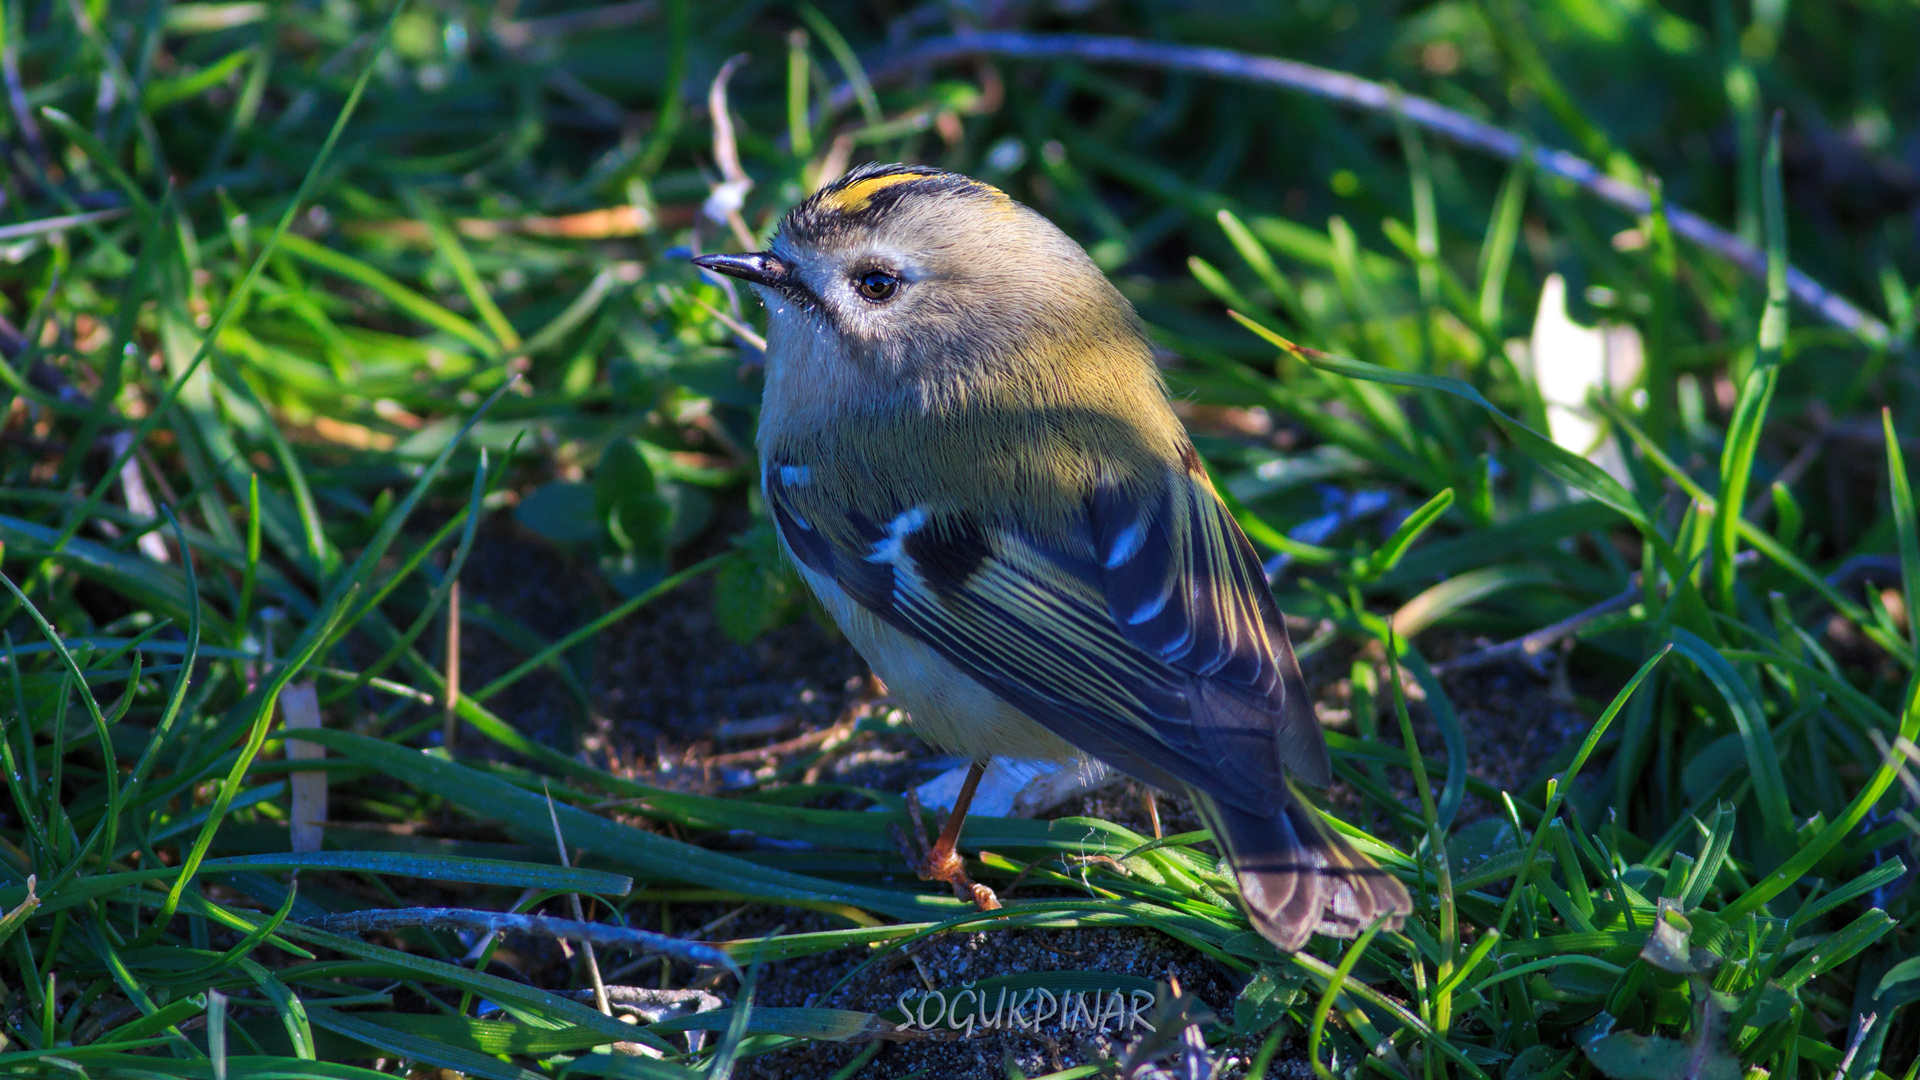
903 275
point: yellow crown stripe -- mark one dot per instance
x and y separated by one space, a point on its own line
854 197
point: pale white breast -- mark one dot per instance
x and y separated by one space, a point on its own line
949 708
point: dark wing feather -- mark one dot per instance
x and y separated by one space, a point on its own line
1145 635
1183 583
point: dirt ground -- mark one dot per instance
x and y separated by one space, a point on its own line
666 688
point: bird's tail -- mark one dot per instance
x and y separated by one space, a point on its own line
1298 876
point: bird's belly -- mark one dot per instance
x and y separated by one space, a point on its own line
949 708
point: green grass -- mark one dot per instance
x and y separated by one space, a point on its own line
348 281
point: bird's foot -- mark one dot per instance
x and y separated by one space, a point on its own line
941 862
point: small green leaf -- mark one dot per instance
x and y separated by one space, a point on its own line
757 592
1474 846
1627 1055
1265 1000
561 511
1668 948
1789 519
632 573
628 498
429 1048
13 920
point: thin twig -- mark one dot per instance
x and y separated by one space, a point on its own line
451 699
740 330
648 997
799 742
133 488
22 108
300 711
1864 1025
1789 474
1858 568
1374 97
1530 647
59 224
650 1005
454 919
516 33
573 904
724 204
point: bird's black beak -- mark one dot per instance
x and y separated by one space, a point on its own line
759 267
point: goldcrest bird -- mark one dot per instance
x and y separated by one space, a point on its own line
970 455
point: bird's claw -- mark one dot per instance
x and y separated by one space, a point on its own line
941 862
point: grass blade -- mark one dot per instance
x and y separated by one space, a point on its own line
1906 529
1383 561
1756 394
1503 235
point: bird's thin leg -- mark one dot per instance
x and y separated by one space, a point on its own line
943 863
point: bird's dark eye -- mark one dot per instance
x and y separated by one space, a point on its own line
877 285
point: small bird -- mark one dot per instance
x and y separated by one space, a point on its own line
970 455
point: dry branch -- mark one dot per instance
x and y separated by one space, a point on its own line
1374 97
620 937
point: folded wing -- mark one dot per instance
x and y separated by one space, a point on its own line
1142 632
